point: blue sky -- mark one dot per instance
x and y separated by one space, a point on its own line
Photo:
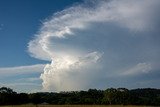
64 45
19 21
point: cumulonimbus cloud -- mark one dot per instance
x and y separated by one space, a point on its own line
70 41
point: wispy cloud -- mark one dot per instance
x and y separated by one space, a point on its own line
21 70
138 69
22 78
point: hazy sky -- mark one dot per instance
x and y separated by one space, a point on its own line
65 45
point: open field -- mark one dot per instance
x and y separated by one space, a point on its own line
74 106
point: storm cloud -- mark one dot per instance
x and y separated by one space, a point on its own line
99 44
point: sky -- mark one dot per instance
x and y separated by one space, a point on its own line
70 45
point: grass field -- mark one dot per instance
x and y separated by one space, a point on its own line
73 106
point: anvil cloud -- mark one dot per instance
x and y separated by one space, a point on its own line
91 44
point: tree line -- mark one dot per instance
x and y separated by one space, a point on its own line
110 96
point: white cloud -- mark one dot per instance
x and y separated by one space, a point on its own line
21 70
22 78
55 40
67 75
35 47
138 69
132 14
